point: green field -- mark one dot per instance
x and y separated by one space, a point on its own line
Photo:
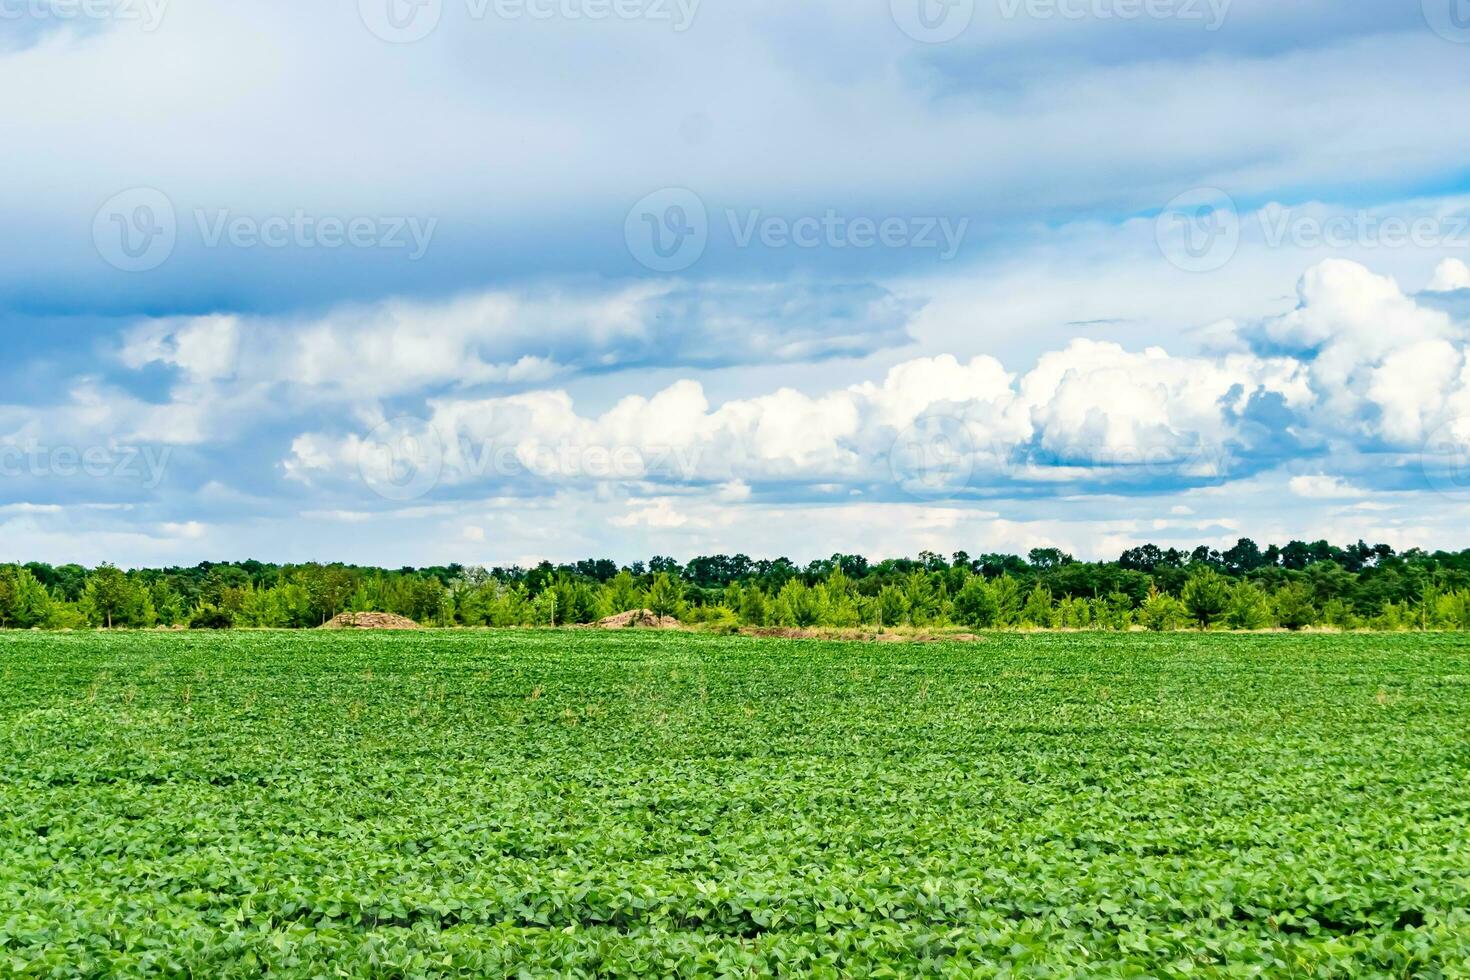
634 802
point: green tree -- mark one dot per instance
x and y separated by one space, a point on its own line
622 593
330 587
754 609
167 602
923 596
24 601
665 597
1038 608
837 604
1007 601
892 606
576 600
1248 608
109 594
975 605
7 595
1206 595
1161 612
1113 612
1294 609
211 617
1073 612
800 604
260 608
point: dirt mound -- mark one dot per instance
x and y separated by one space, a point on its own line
637 618
370 621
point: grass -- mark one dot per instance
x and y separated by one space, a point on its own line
665 803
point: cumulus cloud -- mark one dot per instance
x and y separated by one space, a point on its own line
1356 363
524 337
202 348
1381 364
1354 379
1321 487
1449 276
1081 413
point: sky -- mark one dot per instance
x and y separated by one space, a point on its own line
411 282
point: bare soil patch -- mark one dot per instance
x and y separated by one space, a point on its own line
637 619
370 621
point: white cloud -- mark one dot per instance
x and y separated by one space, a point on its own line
1450 275
1370 360
357 353
204 348
1087 409
1321 487
1380 363
658 513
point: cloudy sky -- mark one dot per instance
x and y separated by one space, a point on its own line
420 281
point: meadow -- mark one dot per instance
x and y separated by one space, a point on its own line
641 802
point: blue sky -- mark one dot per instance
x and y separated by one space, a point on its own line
496 280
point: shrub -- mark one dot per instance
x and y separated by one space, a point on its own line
1294 609
1248 609
1162 612
211 617
975 605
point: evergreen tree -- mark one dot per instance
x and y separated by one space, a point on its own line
1206 595
1038 608
1248 608
664 597
1162 612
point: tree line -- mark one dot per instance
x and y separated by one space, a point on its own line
1296 586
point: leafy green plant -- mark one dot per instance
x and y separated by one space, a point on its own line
1162 612
210 617
1294 609
975 604
1206 596
644 802
634 802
